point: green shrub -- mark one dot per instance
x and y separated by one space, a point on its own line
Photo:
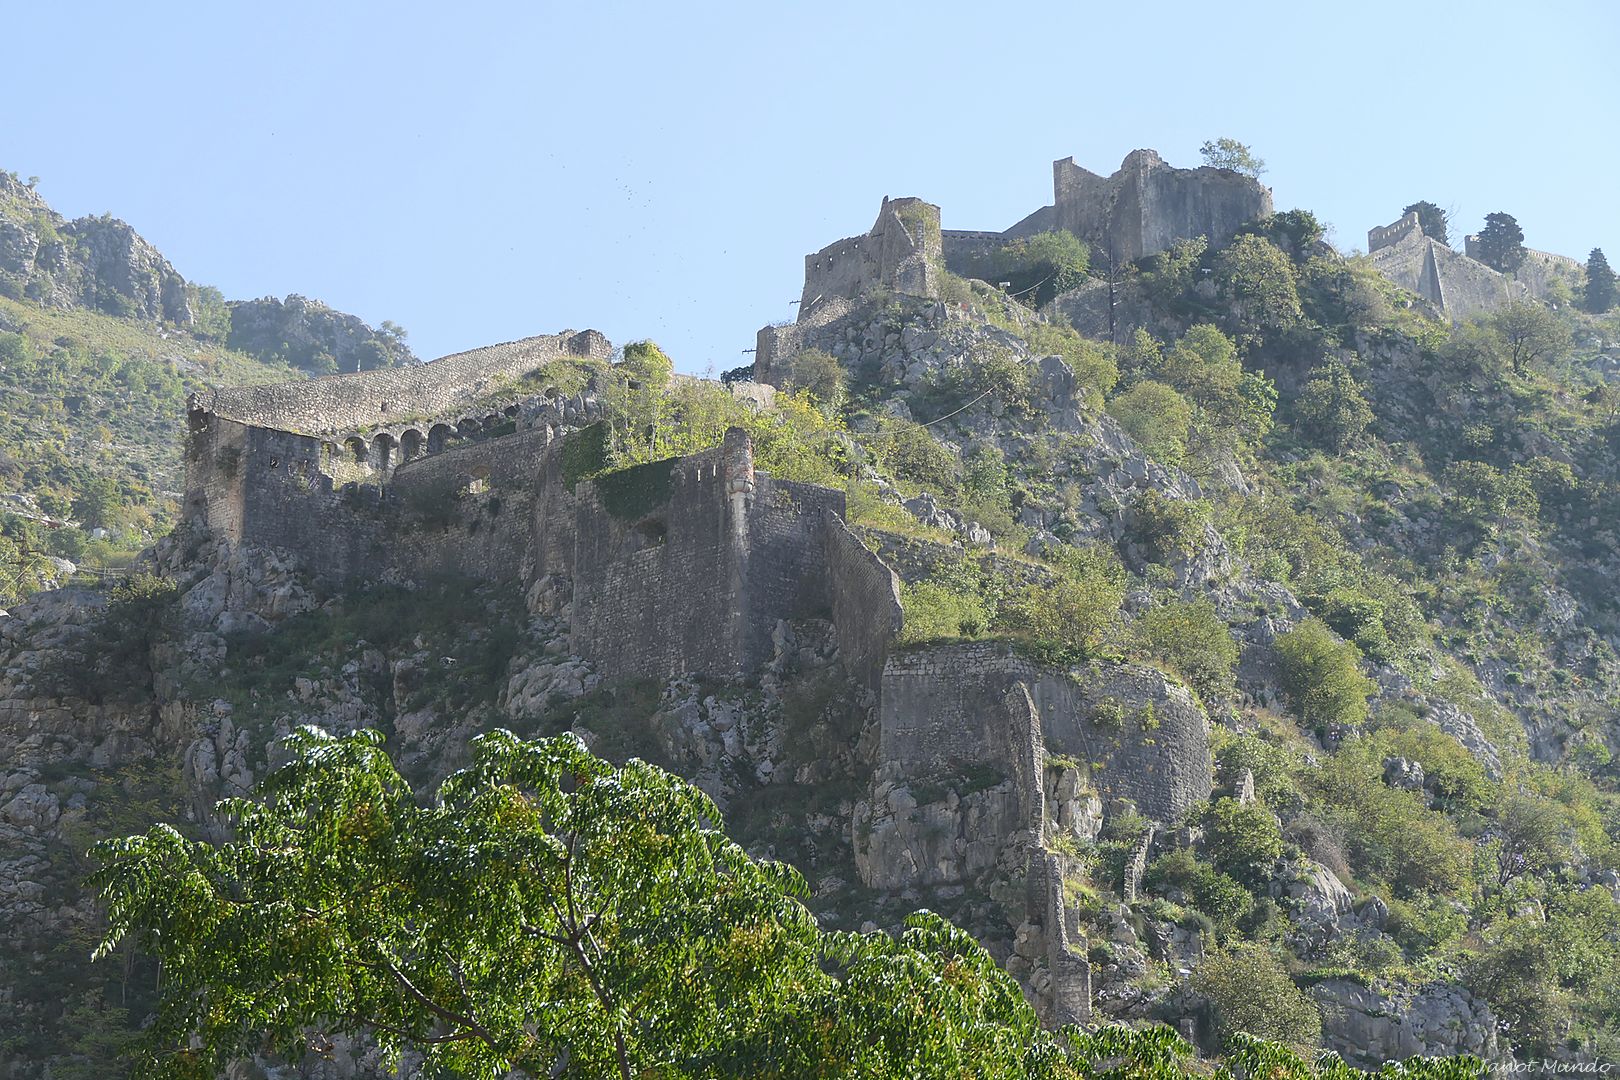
1157 417
1036 268
1390 834
1249 991
1244 839
935 611
990 371
1073 617
906 450
1322 676
1167 527
1190 639
820 374
1092 363
1218 896
1272 765
1331 410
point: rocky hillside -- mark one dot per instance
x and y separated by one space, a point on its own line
101 339
1334 580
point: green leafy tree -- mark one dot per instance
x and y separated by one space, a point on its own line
1167 527
1390 834
1331 410
1249 991
1484 494
1321 675
1038 268
1227 153
1601 288
1074 617
1500 244
1244 839
821 374
545 911
1158 418
1431 219
1530 334
1192 640
1257 279
1530 837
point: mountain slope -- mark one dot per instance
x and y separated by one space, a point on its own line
101 339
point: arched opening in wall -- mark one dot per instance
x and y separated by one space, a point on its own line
357 449
510 411
382 451
410 445
439 436
492 422
468 428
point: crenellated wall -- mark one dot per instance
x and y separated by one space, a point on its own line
1383 236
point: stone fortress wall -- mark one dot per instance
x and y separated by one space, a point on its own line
368 400
1383 236
1454 285
901 252
1147 205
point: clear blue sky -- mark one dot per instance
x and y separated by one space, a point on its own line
483 171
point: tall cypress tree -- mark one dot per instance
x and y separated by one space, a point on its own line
1432 219
1600 283
1501 243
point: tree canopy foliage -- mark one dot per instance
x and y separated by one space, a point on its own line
1434 221
1228 153
550 912
1501 243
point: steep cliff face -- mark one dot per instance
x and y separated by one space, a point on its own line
93 262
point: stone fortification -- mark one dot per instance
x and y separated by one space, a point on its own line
901 252
1383 236
370 400
1455 285
1145 739
1140 210
1146 206
686 566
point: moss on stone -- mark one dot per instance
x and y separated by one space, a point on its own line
631 494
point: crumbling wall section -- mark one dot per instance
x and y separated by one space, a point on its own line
902 252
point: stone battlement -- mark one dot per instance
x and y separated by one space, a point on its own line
370 400
1383 236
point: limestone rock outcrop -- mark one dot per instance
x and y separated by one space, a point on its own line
94 262
1370 1026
